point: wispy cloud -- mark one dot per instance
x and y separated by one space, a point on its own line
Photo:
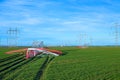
59 20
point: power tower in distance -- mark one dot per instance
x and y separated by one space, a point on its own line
116 32
12 40
0 43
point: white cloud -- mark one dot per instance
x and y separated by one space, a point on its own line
29 21
48 19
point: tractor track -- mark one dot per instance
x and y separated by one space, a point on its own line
9 58
43 67
19 71
12 68
21 60
7 63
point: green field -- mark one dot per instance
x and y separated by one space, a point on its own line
93 63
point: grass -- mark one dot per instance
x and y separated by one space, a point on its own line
27 71
93 63
16 67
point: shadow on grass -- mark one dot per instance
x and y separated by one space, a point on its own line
64 53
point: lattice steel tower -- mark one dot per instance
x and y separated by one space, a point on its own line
116 33
12 40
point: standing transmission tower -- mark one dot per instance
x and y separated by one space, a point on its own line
116 33
91 41
80 40
0 42
83 39
12 40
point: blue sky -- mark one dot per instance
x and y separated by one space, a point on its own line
60 21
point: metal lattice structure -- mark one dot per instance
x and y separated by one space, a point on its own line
12 40
116 33
38 44
0 42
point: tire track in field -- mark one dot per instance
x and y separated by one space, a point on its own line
9 58
16 67
20 70
7 63
17 62
43 67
